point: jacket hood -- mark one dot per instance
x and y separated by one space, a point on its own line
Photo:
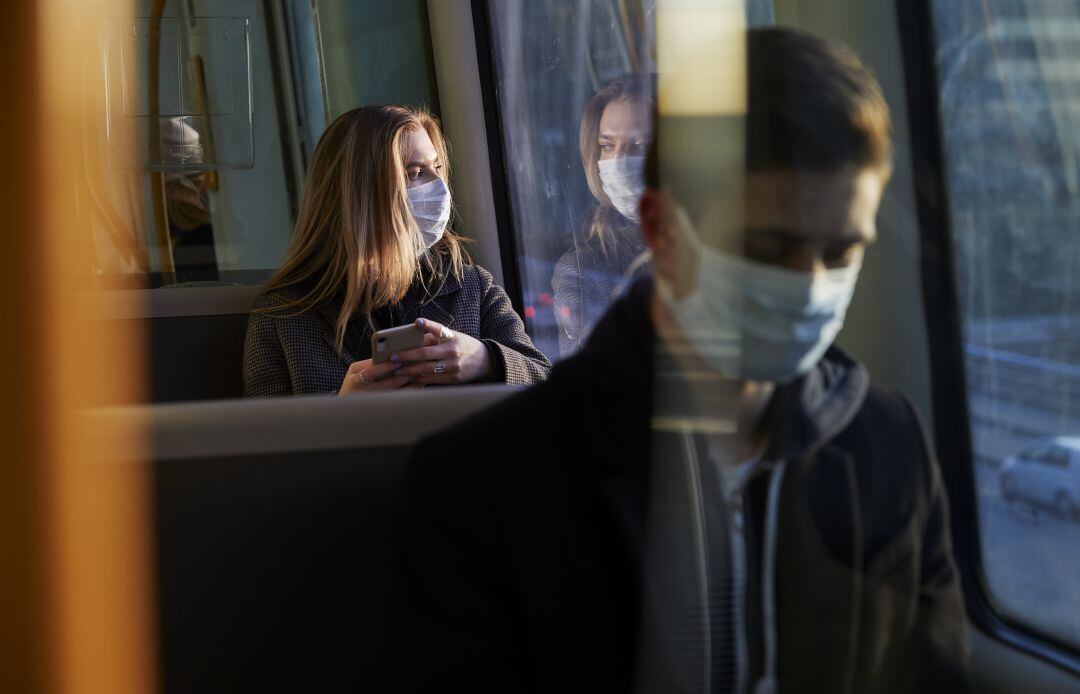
812 410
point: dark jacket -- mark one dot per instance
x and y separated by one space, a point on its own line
296 355
524 550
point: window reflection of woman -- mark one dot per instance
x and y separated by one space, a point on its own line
372 250
613 138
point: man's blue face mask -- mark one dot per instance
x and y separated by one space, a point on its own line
761 322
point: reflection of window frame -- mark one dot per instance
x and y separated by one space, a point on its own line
946 344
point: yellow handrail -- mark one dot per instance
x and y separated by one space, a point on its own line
157 179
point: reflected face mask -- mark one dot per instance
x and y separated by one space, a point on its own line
430 205
760 322
623 181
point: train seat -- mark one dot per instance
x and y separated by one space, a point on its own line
196 340
271 528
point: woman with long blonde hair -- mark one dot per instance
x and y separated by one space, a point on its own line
608 253
372 250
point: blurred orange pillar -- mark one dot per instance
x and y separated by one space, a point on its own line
76 598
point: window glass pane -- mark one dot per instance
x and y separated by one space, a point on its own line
1010 100
545 75
237 105
211 187
575 85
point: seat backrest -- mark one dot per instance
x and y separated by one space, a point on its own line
272 525
196 357
194 336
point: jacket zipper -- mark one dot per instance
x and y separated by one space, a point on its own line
736 525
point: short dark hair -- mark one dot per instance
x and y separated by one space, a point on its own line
811 106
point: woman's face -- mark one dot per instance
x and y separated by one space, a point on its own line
420 159
624 130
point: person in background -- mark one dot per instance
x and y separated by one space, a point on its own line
721 501
372 250
187 206
609 254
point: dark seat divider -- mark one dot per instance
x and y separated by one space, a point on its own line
273 570
196 357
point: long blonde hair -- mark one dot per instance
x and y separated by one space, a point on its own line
355 234
606 223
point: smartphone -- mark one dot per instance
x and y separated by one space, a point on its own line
387 342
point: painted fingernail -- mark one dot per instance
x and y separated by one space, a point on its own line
420 322
395 358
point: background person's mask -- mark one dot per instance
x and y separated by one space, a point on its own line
622 179
430 205
759 322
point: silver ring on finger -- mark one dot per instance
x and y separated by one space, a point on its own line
363 377
440 367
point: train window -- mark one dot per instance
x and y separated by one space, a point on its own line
230 110
1010 110
575 91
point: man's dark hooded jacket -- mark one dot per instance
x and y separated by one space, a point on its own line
523 536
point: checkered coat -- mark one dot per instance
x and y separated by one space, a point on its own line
585 282
296 354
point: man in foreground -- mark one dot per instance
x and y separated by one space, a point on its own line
710 496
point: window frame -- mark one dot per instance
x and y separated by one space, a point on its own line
506 231
941 305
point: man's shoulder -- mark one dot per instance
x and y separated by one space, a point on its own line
895 467
887 403
514 427
887 420
492 451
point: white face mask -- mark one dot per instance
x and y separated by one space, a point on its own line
623 181
430 205
760 322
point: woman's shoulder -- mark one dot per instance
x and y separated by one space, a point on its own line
476 283
471 283
477 276
267 301
283 303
